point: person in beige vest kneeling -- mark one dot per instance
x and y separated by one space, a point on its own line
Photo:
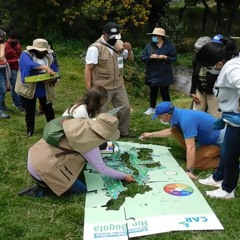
56 168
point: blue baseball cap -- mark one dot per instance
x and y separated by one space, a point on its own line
163 107
217 38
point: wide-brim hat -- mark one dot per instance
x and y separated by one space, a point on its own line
40 45
158 32
106 126
85 134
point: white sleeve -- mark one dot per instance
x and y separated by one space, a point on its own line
125 54
233 78
80 112
92 55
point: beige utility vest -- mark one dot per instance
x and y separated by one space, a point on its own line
27 90
107 72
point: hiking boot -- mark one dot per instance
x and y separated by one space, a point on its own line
34 191
150 111
210 181
220 193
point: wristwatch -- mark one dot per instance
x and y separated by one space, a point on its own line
190 170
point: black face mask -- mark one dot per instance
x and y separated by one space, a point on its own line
40 55
111 41
14 43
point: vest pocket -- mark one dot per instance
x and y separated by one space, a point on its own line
66 173
102 75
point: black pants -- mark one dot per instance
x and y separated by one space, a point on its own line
164 91
30 110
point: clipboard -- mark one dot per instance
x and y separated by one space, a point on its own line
115 110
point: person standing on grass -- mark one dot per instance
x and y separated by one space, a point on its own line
55 67
34 61
203 80
3 76
158 55
225 59
104 67
56 169
13 50
193 129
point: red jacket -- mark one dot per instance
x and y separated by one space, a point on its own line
12 54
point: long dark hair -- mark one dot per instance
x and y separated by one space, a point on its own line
94 99
214 52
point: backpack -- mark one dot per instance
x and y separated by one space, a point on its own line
53 130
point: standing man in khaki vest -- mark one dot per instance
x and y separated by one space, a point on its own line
104 67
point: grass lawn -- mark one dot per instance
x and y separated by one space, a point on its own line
63 217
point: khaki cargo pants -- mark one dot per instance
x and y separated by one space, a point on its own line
206 156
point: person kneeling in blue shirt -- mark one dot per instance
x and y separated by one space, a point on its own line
194 130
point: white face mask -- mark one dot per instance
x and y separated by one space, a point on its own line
213 70
165 123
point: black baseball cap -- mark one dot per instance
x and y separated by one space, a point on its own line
111 28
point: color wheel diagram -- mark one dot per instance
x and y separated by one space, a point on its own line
178 189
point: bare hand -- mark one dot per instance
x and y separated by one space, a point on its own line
88 85
145 135
127 46
154 56
50 71
196 99
129 178
191 175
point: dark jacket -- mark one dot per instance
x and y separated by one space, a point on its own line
159 71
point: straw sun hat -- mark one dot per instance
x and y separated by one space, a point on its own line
158 32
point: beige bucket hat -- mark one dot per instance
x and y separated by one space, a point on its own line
40 45
106 126
86 134
158 32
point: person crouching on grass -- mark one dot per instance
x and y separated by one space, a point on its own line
194 130
56 169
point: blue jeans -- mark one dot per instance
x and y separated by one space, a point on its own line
15 97
2 84
228 169
78 187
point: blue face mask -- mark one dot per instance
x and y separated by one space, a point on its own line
154 39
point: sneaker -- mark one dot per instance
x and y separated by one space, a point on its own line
210 181
220 193
19 108
150 111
